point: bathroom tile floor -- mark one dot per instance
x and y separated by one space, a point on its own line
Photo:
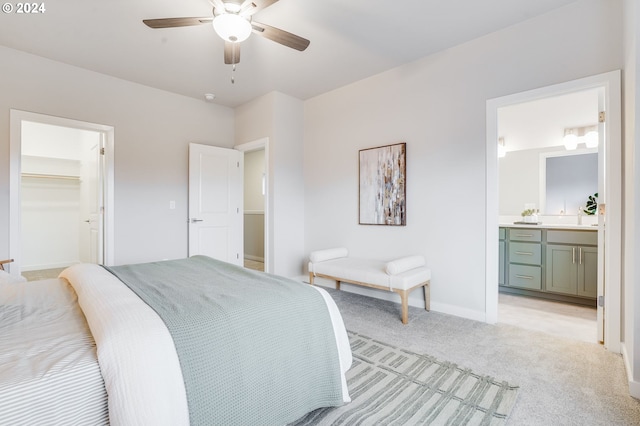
559 319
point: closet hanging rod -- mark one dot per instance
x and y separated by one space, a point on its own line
46 176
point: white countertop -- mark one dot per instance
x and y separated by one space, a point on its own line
550 226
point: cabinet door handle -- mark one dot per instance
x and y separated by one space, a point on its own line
525 235
524 253
526 277
580 255
573 254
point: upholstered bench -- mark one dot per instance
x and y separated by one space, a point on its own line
401 275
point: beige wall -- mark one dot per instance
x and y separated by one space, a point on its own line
631 199
437 105
152 132
279 118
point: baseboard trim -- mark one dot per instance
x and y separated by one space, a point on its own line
29 268
634 386
416 299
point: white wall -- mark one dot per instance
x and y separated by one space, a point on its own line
437 106
152 132
280 118
631 199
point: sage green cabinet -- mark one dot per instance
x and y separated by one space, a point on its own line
524 258
572 270
502 247
558 262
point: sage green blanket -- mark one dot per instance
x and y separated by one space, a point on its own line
254 348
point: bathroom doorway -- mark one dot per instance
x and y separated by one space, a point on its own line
608 259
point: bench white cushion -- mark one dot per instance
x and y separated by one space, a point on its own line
404 264
328 254
370 272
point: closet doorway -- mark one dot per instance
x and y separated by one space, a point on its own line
61 183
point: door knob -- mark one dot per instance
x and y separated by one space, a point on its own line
194 220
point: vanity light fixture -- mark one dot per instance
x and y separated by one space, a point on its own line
574 136
591 138
502 150
570 139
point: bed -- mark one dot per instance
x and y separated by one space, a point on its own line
91 347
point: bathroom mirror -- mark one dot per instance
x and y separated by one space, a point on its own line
553 179
569 181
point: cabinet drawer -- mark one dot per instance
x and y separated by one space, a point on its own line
529 253
517 234
573 237
525 277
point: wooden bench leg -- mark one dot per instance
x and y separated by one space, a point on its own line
404 300
427 296
311 278
337 284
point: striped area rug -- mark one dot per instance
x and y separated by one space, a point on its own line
389 385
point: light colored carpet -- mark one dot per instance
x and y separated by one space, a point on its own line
42 274
390 385
562 381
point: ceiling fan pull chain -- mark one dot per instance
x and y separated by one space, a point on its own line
233 74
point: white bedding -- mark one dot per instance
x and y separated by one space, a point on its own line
49 373
139 363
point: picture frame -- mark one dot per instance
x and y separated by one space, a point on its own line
382 185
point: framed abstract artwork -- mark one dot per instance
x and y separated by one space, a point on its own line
383 184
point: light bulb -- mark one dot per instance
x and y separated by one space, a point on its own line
591 139
570 141
232 27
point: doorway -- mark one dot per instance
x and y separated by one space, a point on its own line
61 194
256 204
609 267
540 169
254 197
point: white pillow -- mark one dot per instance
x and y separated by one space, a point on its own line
328 254
404 264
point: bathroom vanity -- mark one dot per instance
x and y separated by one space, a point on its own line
557 262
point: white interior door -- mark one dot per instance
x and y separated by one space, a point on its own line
92 203
215 203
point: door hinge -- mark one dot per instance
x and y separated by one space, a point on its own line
601 301
102 151
602 116
238 164
237 209
237 255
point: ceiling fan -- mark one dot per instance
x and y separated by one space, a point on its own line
232 21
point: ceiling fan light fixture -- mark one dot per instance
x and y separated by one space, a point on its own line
232 27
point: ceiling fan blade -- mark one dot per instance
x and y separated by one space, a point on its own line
231 53
257 6
176 22
280 36
218 4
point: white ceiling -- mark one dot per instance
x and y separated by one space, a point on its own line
350 40
541 123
